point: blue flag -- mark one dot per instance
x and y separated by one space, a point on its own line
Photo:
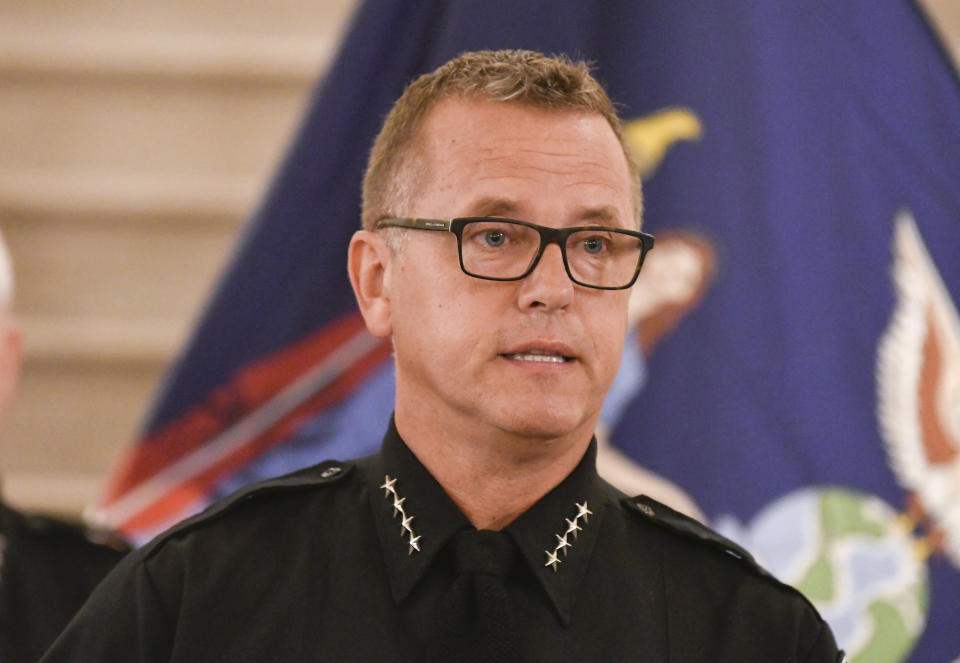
793 370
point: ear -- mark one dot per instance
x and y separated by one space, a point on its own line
368 264
11 353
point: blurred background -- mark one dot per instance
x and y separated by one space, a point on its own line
807 406
135 138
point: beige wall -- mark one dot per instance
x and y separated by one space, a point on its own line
135 137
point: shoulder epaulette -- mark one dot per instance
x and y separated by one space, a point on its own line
325 473
664 516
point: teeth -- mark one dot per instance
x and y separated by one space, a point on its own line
555 359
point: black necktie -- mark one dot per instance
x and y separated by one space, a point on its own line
476 621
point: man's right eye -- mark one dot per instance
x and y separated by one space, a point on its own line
494 238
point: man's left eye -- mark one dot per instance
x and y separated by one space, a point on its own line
594 245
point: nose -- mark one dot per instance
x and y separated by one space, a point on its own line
547 287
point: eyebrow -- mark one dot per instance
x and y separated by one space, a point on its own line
501 207
506 208
605 214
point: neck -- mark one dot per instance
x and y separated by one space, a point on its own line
492 477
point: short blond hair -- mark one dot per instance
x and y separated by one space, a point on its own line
510 76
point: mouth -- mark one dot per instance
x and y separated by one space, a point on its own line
540 355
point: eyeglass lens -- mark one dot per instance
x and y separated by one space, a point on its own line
504 250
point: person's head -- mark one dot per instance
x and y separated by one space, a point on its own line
398 168
510 135
10 340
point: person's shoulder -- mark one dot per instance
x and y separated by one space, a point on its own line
272 503
49 567
701 543
702 567
648 510
37 536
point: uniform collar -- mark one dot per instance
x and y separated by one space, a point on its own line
557 534
564 523
398 476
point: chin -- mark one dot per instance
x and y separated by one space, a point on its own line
542 422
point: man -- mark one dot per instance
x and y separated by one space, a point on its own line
500 235
47 567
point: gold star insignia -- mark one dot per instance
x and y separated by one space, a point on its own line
552 559
405 524
388 485
398 510
414 544
583 511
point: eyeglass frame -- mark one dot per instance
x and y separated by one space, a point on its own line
548 236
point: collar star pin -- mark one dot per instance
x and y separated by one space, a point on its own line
552 559
583 512
414 544
389 488
563 543
573 527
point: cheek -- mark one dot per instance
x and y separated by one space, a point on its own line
443 323
461 320
609 328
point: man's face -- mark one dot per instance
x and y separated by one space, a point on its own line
534 357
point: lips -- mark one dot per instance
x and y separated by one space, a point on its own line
550 353
545 358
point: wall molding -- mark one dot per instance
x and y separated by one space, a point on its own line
187 58
99 197
102 340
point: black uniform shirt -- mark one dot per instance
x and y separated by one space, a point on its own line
348 562
47 569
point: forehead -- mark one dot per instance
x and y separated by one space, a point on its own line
521 160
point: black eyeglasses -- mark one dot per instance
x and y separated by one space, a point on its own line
508 250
